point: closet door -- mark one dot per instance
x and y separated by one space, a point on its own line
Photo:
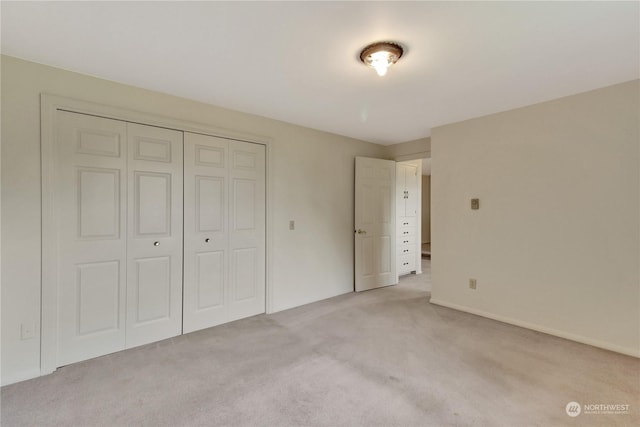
247 215
224 253
206 234
90 218
411 186
154 244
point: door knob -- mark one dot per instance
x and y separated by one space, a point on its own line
156 243
361 231
207 240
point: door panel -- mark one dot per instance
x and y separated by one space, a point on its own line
244 266
154 273
244 199
205 231
210 204
99 203
375 239
98 297
90 214
152 201
153 295
210 279
411 180
247 213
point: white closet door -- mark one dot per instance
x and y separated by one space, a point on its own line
90 214
206 236
247 215
224 254
154 271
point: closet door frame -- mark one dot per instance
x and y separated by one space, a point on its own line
49 105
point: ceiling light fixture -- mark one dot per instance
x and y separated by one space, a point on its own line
381 55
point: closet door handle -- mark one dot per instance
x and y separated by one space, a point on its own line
156 243
207 240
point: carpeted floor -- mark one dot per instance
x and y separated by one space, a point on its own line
383 357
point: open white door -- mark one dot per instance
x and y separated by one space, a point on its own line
375 240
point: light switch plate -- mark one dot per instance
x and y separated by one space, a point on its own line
475 204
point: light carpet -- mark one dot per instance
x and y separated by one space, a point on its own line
383 357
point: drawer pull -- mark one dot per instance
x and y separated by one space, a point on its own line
406 232
405 263
406 250
405 241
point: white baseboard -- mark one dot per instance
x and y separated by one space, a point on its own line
566 335
22 376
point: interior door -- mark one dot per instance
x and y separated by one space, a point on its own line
247 229
375 246
154 273
206 233
90 217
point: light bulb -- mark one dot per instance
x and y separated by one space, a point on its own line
381 69
380 62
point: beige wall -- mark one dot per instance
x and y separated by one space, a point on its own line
555 243
312 183
426 208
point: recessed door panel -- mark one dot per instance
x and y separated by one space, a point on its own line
152 199
370 207
98 203
98 297
244 160
98 142
368 257
210 204
152 289
155 150
244 204
244 274
386 257
209 156
210 277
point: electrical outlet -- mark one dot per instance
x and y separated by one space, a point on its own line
292 225
27 331
475 204
472 283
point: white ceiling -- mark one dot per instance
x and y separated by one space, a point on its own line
297 61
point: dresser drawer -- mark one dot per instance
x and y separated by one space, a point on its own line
406 249
407 231
407 221
406 264
407 240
